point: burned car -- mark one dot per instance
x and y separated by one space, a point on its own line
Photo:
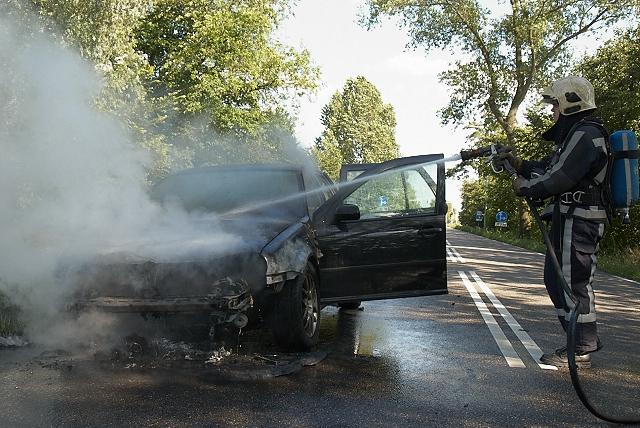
275 243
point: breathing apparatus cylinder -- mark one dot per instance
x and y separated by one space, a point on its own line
624 172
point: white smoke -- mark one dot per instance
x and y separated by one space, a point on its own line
68 173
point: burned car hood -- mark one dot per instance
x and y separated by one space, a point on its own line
203 241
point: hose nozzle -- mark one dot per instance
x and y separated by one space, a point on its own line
490 151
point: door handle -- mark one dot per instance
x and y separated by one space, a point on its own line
429 231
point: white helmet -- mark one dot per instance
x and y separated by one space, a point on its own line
573 94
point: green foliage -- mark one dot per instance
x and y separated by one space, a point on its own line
614 71
621 237
196 145
103 33
218 57
474 197
507 55
194 81
533 244
493 189
10 321
494 193
624 263
359 128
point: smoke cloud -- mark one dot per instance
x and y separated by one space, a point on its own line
67 173
71 179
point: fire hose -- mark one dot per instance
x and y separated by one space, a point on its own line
495 150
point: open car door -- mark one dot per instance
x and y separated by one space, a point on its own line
382 235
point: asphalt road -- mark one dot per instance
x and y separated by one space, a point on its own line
466 359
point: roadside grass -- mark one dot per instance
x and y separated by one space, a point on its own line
624 263
10 321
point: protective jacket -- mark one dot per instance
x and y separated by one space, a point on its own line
573 171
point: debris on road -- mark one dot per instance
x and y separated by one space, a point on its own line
208 359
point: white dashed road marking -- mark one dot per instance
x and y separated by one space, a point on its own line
533 349
454 256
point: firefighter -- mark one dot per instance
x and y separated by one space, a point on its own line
572 176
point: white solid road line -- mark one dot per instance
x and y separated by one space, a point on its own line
512 357
533 349
503 343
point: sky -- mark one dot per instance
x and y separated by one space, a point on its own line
406 78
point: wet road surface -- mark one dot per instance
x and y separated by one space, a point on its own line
466 359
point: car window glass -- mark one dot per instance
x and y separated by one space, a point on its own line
315 197
353 174
397 193
328 186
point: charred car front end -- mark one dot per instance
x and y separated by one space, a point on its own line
153 288
249 234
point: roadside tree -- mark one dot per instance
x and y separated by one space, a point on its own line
102 33
219 58
173 69
613 70
506 55
359 128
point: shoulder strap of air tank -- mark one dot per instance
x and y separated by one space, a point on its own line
605 186
593 122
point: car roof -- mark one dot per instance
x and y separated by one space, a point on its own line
239 167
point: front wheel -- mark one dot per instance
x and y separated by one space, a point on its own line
296 316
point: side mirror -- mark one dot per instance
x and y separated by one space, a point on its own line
347 212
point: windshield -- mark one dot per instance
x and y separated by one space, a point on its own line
259 191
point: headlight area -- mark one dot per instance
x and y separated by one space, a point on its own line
226 288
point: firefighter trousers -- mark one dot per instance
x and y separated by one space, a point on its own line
577 255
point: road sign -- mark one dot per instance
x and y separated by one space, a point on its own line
478 215
501 219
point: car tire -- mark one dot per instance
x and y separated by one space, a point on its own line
296 318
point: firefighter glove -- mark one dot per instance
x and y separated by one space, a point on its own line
515 162
516 186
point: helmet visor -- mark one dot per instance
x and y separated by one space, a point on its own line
548 97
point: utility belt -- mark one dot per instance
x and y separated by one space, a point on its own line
578 198
592 196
